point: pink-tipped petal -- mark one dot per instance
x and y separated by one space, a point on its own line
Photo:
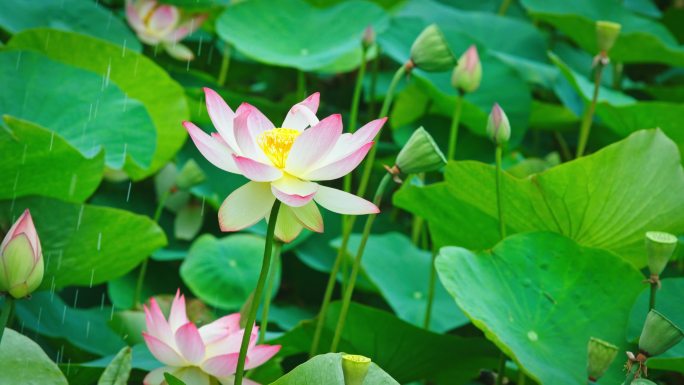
342 202
221 116
229 343
186 28
303 114
220 328
190 343
313 145
350 143
134 18
156 323
340 167
287 226
309 216
215 152
245 206
249 124
221 366
164 19
163 352
260 354
24 225
179 51
255 171
178 316
292 191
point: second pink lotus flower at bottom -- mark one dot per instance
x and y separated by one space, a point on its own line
198 356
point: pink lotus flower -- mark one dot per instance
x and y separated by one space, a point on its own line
161 24
21 258
283 163
198 356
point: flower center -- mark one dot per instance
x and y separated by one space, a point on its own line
276 144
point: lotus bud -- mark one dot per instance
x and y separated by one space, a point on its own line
420 154
658 335
468 72
659 246
368 37
430 52
606 34
189 175
600 355
643 381
498 127
355 368
21 259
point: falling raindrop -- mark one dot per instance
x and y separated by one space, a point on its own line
111 314
76 298
72 186
52 139
16 182
88 329
68 368
40 315
128 194
102 302
99 241
47 40
211 53
52 289
199 48
125 103
105 83
92 277
18 60
202 209
123 51
80 217
23 155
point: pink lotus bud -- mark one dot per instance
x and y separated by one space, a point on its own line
498 127
21 259
368 36
468 72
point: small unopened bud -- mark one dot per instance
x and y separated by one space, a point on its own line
368 37
21 259
498 127
658 335
430 51
189 175
600 355
607 33
420 154
355 368
659 246
467 74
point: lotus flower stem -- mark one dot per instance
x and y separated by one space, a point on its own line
301 85
251 316
431 290
455 120
354 110
652 298
501 371
499 202
504 7
7 309
269 290
374 80
225 64
628 378
585 127
349 290
143 266
522 378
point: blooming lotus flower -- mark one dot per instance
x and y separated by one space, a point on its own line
283 163
21 258
161 24
198 356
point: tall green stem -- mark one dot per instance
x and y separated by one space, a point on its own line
374 81
225 64
499 201
652 298
588 117
504 7
268 249
301 85
349 290
431 290
629 377
354 109
143 266
501 371
7 309
455 120
269 291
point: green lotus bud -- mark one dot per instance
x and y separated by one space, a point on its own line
189 175
21 259
498 127
607 33
600 355
355 368
420 154
643 381
658 335
468 72
659 246
430 52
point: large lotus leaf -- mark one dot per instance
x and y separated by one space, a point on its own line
598 200
540 297
47 314
641 39
327 369
224 272
78 105
39 162
84 17
404 351
668 302
23 362
84 244
401 272
298 35
139 77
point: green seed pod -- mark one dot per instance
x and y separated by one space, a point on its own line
498 127
355 368
420 154
430 51
658 335
607 33
659 246
600 355
467 74
189 175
